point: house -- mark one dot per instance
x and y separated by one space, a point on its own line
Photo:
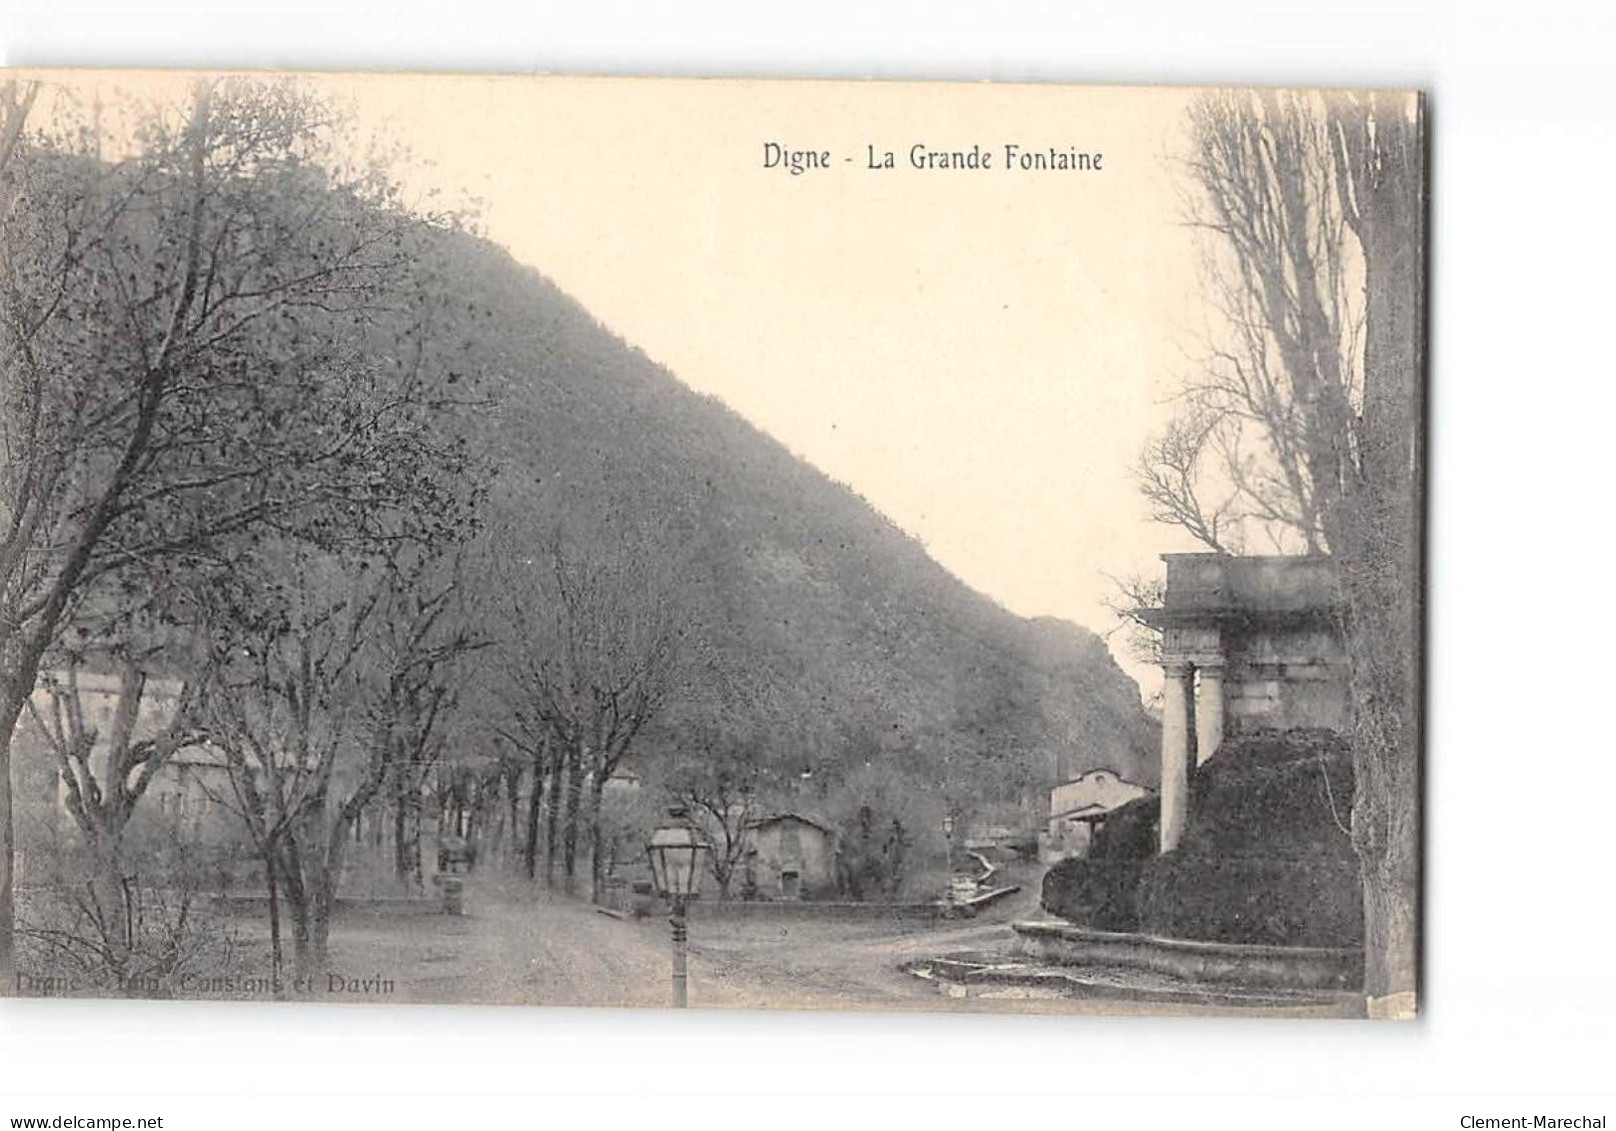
791 856
1077 806
193 795
186 800
623 782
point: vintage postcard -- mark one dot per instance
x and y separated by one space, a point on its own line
762 544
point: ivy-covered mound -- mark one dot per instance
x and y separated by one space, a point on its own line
1266 856
1098 890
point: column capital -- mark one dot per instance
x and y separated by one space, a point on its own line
1176 669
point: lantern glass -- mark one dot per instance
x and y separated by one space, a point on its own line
675 853
681 869
659 872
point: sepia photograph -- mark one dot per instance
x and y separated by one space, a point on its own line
712 543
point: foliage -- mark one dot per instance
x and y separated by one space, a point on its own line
593 662
1098 889
722 780
1267 855
888 831
873 855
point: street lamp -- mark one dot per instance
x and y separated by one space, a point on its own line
675 852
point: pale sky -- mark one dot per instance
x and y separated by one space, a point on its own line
981 354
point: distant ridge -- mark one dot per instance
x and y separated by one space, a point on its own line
798 580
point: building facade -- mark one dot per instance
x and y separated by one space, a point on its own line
790 856
1077 806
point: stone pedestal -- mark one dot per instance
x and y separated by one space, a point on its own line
452 890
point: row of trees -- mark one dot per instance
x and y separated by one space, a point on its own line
598 649
233 463
237 381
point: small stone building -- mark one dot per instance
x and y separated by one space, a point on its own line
1077 806
1247 642
791 856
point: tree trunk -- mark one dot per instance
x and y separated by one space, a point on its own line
511 779
597 842
553 817
110 890
535 801
272 885
569 846
1380 559
302 949
8 959
319 930
311 921
295 885
401 838
1391 936
491 829
417 881
12 700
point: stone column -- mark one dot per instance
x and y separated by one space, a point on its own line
1175 757
1208 711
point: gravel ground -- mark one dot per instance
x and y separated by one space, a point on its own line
520 946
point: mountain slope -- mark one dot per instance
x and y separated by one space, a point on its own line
870 649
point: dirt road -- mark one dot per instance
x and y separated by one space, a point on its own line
516 945
536 948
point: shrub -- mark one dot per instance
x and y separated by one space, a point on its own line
1266 856
1097 890
873 855
164 930
1249 899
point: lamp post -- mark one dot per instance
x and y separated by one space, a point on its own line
675 852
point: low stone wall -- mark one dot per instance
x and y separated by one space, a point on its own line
1275 967
376 907
811 909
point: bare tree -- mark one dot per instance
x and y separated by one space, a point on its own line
420 638
349 684
285 709
1303 426
16 103
594 662
102 792
722 780
533 743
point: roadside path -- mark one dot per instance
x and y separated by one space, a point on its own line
520 946
532 947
